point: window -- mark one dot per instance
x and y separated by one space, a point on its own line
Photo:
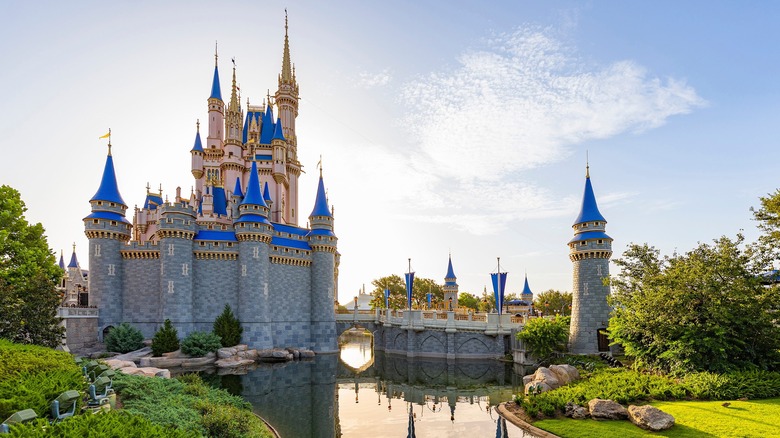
601 242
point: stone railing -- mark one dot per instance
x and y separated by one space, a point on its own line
420 320
77 312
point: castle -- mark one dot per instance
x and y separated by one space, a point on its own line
235 240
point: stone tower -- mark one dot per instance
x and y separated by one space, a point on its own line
107 230
589 251
322 241
450 287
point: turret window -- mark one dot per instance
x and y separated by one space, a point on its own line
601 242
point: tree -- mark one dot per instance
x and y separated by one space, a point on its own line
543 336
467 300
165 340
553 302
28 277
397 286
228 328
704 310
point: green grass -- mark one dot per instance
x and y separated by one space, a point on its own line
755 418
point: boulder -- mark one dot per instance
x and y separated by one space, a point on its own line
570 370
650 418
248 354
274 355
119 364
306 354
528 379
174 354
136 355
561 374
544 375
194 362
601 409
233 362
575 411
161 362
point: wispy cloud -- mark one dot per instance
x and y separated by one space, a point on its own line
523 102
372 80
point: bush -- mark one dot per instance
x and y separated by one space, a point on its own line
165 340
228 328
116 424
231 422
731 386
543 336
17 358
124 338
199 344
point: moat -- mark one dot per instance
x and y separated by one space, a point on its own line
359 393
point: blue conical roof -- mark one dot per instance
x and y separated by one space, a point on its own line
74 263
220 201
526 289
108 190
321 203
278 134
267 128
450 272
266 194
253 195
62 262
589 211
216 91
237 190
198 147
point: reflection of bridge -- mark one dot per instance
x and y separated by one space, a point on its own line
437 334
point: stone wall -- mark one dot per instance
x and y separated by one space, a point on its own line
438 343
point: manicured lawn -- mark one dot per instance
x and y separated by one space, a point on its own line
755 418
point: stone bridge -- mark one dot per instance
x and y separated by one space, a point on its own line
451 335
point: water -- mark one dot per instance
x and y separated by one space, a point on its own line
359 394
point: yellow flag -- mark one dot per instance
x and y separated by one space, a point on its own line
106 136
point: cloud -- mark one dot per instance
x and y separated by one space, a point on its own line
521 103
372 80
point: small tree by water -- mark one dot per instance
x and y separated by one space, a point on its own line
543 336
165 340
228 328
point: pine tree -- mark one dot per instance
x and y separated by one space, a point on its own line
165 340
228 328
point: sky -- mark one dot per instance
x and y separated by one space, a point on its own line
444 127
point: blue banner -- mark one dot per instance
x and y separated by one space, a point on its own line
387 298
409 283
429 300
499 284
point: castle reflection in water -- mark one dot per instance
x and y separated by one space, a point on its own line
357 393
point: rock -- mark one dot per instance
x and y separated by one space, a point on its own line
528 379
650 418
165 374
226 352
233 362
161 362
544 375
601 409
306 354
131 370
194 362
136 355
575 411
248 354
174 354
119 364
561 374
536 387
570 370
274 355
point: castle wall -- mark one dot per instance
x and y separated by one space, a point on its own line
215 283
290 304
438 343
590 311
141 294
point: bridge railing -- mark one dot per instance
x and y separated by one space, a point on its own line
422 319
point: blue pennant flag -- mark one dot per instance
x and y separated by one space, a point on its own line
499 284
429 300
387 298
409 283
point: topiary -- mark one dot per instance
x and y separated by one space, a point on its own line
124 338
165 340
199 344
228 328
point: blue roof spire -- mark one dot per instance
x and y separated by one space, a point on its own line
74 263
266 194
278 134
216 91
526 289
62 261
321 203
198 147
108 190
590 210
267 127
450 272
253 195
237 190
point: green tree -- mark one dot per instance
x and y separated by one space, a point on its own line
397 286
553 302
124 338
228 328
704 310
468 300
28 277
543 336
165 340
768 218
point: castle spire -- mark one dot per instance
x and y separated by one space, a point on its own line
74 263
62 261
198 146
216 91
253 194
108 190
287 75
321 203
450 272
589 210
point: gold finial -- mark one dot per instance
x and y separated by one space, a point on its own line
587 165
319 165
197 124
108 136
285 21
160 188
216 56
74 246
148 187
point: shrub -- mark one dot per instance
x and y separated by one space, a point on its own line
199 344
543 336
17 358
228 328
165 340
734 385
124 338
116 424
231 422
